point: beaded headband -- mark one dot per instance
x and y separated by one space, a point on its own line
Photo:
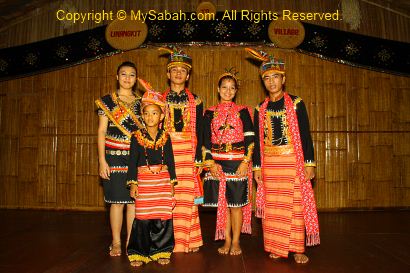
231 72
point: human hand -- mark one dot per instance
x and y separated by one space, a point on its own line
214 170
309 173
242 169
257 175
198 170
104 170
134 191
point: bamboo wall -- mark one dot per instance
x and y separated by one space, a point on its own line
360 125
381 19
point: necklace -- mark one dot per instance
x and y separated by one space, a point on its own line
225 124
162 159
130 102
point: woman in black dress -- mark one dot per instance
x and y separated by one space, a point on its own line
119 116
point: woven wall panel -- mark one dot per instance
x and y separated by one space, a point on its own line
360 126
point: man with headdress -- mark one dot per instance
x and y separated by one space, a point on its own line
283 164
151 177
183 121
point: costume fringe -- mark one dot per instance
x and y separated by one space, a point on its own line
222 210
246 228
139 258
308 199
220 235
260 213
260 191
313 239
161 255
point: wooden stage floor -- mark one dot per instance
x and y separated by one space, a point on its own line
34 241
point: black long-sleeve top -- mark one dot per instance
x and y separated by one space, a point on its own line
158 151
179 111
244 132
277 131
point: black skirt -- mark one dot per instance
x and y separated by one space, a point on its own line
236 188
115 188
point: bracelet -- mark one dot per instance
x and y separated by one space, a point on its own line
132 182
174 182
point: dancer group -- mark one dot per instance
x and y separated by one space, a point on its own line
161 156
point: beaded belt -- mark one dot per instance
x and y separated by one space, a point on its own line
181 135
117 152
279 150
228 156
228 147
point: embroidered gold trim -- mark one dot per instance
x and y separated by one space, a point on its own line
161 255
173 181
139 258
186 117
297 100
113 120
132 115
247 158
151 144
310 164
208 163
126 141
198 164
279 150
280 113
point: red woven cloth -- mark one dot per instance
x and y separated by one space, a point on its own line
221 216
308 200
192 113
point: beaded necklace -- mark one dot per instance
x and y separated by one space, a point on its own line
162 159
225 123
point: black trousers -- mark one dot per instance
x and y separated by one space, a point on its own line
151 240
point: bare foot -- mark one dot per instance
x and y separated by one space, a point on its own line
115 249
274 256
136 263
224 250
163 261
235 249
193 250
301 258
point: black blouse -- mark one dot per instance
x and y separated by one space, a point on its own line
158 151
120 122
277 131
177 104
